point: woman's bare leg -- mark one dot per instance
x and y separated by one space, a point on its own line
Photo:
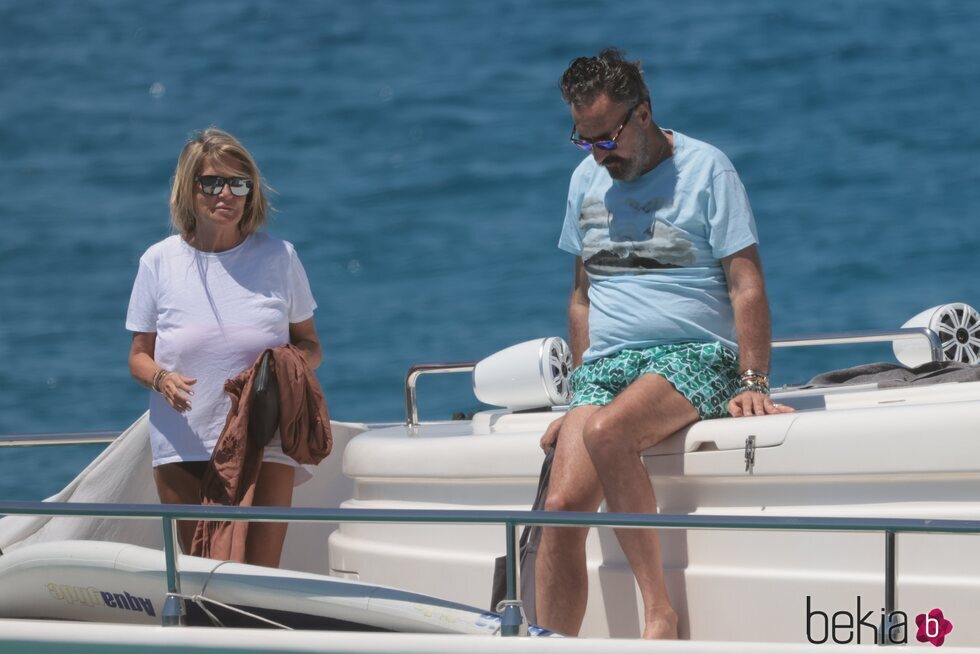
274 487
180 483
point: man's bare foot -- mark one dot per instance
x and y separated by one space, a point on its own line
663 627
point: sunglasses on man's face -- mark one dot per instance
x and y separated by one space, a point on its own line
215 184
602 144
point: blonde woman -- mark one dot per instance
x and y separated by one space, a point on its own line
206 302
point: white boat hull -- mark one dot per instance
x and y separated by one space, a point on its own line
904 453
849 452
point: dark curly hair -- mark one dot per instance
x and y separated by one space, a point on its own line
607 73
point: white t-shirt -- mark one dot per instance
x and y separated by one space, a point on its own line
213 314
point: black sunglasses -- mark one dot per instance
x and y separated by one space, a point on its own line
215 184
603 144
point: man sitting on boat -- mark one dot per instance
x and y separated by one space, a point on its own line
668 322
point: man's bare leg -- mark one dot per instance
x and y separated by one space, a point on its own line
561 582
647 412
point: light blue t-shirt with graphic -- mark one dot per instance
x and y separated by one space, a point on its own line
652 248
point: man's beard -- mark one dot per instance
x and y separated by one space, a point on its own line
628 170
624 169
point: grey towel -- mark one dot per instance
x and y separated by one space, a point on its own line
891 375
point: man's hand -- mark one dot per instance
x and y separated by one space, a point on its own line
752 403
551 434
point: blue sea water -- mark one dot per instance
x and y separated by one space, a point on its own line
419 153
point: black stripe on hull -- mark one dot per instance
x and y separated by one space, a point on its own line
198 618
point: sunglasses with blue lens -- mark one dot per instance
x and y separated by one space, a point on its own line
602 144
215 184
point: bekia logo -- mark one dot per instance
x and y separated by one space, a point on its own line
843 627
933 627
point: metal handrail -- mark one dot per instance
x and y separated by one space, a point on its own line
411 378
870 336
437 516
173 608
416 371
59 438
834 338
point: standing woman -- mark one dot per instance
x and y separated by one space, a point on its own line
206 303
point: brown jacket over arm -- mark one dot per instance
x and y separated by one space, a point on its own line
304 427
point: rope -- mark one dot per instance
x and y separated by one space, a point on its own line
200 599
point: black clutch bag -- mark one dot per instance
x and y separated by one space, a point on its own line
263 421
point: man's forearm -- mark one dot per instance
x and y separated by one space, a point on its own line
578 330
752 326
578 313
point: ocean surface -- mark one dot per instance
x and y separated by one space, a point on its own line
420 157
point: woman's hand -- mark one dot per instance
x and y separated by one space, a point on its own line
754 403
176 390
551 434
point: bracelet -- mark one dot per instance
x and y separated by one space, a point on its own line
754 374
158 379
755 387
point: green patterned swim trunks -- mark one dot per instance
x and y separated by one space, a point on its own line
705 373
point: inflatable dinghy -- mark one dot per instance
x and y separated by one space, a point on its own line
96 581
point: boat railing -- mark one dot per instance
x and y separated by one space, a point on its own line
58 438
416 371
512 619
836 338
412 377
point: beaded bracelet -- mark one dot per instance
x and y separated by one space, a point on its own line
755 387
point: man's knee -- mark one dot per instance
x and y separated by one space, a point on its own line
600 436
561 501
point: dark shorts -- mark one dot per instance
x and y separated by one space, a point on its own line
705 373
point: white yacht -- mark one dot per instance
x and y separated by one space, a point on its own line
852 521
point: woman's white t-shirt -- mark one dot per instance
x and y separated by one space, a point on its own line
213 314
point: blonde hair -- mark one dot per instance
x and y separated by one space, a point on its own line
214 145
